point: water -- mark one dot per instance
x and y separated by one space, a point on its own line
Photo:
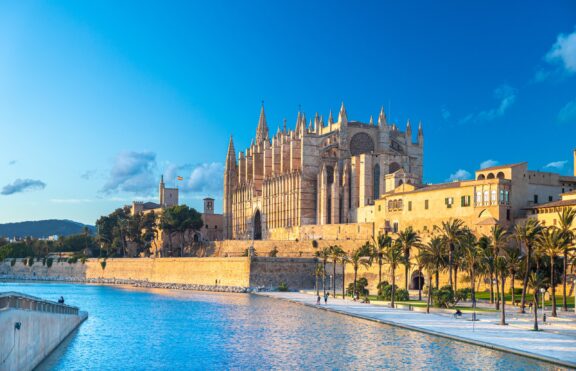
142 329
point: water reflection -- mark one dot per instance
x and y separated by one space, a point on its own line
135 329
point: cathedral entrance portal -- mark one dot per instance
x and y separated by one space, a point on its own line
257 225
417 281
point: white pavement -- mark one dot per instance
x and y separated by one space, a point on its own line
545 346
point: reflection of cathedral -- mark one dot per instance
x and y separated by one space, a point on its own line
318 173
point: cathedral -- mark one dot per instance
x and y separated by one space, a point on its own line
319 173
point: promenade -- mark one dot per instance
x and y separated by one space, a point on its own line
558 345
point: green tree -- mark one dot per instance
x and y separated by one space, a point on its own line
434 256
451 231
181 220
566 219
515 262
335 253
379 245
526 234
552 244
498 239
472 255
362 256
394 256
535 282
407 239
324 255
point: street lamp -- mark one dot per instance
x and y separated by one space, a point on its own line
543 291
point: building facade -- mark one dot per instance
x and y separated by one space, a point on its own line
316 174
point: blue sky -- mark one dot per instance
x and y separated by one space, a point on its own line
98 98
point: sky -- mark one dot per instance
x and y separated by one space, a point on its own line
99 98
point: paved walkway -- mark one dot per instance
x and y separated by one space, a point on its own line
516 338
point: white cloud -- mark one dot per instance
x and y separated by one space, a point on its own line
132 172
12 162
556 164
207 178
445 113
506 96
568 112
563 52
460 174
488 163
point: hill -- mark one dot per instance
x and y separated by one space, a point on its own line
43 228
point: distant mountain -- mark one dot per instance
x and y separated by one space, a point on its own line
43 228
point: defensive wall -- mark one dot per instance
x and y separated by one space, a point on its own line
297 273
31 328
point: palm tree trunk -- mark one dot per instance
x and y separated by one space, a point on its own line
450 263
503 313
553 286
512 286
343 280
355 274
419 284
525 282
316 285
406 276
565 268
429 293
535 309
497 301
334 279
379 270
393 288
455 277
324 277
473 293
491 287
437 278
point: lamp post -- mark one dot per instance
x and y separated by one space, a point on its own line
543 291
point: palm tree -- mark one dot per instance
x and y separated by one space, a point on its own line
394 256
379 244
488 261
419 266
566 219
360 257
472 256
451 231
502 267
515 260
552 243
407 239
335 254
526 233
535 282
324 255
427 262
344 259
318 272
433 255
498 238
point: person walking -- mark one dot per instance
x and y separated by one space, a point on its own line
326 298
318 300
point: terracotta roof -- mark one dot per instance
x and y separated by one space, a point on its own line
556 204
502 166
570 193
433 187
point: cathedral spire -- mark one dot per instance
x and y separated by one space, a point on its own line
262 130
330 118
420 134
230 156
284 129
382 118
371 121
342 116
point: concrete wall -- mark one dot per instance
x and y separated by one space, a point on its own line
39 334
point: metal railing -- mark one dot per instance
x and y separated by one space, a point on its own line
26 302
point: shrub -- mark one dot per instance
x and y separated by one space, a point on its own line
13 262
445 297
517 291
73 260
463 294
381 285
283 286
103 264
385 292
361 284
30 262
274 252
49 262
315 244
401 295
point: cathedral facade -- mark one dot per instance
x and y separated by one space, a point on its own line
316 174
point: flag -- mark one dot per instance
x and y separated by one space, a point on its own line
179 178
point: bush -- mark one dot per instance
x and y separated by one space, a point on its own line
445 297
463 294
283 286
73 260
13 262
273 253
385 292
517 291
49 262
30 262
381 285
360 287
103 264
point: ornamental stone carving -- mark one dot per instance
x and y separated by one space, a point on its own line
361 143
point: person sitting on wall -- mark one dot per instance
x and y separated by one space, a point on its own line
458 313
61 300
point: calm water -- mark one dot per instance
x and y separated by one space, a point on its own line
133 329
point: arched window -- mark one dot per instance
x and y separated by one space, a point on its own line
481 177
376 176
500 175
490 176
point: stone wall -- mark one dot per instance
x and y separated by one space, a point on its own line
297 273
